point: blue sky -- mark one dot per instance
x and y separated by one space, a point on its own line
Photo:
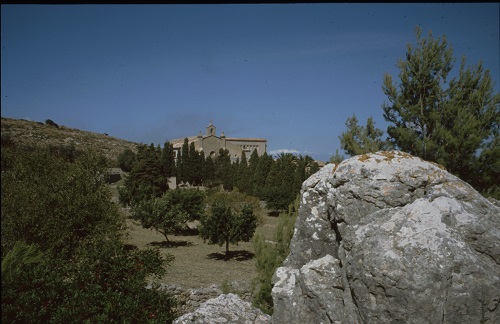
290 73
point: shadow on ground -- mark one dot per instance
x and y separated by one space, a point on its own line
170 244
189 232
240 255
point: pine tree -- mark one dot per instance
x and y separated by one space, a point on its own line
146 179
362 139
337 158
448 125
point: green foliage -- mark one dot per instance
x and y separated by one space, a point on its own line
52 203
106 284
270 256
456 126
69 152
362 139
235 199
170 213
168 160
243 175
62 256
20 255
126 160
261 173
337 158
222 167
147 179
228 221
183 166
285 178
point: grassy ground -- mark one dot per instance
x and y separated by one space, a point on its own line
198 264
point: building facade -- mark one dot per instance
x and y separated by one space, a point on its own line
210 144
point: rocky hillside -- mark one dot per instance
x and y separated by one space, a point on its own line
38 133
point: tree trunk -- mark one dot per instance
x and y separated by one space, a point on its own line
227 250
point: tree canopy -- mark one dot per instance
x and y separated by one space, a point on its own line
62 253
362 139
454 122
170 213
229 220
449 119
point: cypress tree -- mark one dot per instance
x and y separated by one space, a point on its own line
253 162
243 174
183 164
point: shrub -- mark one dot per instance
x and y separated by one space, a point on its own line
105 285
51 123
270 256
126 160
62 257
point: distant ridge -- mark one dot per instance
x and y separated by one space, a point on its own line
28 132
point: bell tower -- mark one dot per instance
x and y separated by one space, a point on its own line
211 130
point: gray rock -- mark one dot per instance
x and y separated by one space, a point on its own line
225 309
390 238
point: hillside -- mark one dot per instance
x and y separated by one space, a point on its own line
37 133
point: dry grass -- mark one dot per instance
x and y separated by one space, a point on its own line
37 133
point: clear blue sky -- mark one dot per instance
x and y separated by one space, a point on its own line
291 73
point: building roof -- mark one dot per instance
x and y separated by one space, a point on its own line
243 139
177 143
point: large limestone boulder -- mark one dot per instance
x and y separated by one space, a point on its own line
390 238
225 309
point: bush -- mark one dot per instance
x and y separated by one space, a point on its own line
126 160
52 203
270 256
62 255
105 285
51 123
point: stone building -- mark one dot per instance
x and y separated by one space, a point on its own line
210 144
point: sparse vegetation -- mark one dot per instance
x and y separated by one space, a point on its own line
271 254
31 133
